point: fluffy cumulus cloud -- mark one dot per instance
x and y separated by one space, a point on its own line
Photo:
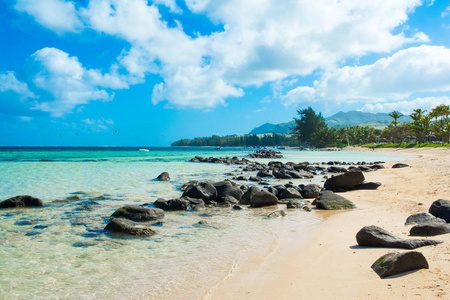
409 71
58 15
9 82
258 42
66 83
407 106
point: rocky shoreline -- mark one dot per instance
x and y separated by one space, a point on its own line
340 177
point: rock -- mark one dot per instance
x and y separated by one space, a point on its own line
164 176
374 236
430 229
225 188
201 190
310 191
277 214
264 173
289 193
73 198
441 209
421 218
138 213
129 227
227 199
263 198
266 154
397 263
346 180
21 201
295 204
330 201
367 186
237 207
400 165
248 195
172 204
307 208
281 174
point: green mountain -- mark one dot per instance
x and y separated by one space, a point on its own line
339 120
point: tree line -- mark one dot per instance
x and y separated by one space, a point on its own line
311 130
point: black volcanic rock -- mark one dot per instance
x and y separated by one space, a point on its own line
129 227
374 236
21 201
397 263
441 209
346 180
137 213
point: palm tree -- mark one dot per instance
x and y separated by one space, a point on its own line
420 123
395 115
442 111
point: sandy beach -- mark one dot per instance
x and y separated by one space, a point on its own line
330 265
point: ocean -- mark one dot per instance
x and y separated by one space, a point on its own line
61 251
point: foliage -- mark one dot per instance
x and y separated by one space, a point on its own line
249 140
309 127
407 145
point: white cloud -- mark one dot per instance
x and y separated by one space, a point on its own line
409 71
99 125
407 106
261 41
446 12
58 15
66 83
9 82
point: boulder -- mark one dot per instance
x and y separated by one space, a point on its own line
441 209
276 214
201 190
225 188
430 229
281 174
248 195
138 213
421 218
400 165
374 236
21 201
173 204
164 176
397 263
346 180
289 193
330 201
264 173
310 191
129 227
263 198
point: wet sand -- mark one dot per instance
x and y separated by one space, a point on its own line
330 265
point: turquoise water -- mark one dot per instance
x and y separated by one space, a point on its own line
61 250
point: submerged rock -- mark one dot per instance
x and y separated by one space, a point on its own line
125 226
400 165
164 176
374 236
137 213
310 191
21 201
397 263
276 214
201 190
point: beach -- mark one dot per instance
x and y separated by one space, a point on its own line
330 265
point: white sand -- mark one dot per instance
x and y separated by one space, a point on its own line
331 266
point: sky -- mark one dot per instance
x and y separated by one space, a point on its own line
148 73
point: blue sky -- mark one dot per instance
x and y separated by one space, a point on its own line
147 73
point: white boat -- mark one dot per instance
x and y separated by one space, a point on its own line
144 150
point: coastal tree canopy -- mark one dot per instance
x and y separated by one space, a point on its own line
310 127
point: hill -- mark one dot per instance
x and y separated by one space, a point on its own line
339 120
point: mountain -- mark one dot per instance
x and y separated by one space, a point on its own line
273 128
339 120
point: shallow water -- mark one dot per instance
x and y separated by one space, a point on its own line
62 251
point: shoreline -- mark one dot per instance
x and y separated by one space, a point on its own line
330 265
